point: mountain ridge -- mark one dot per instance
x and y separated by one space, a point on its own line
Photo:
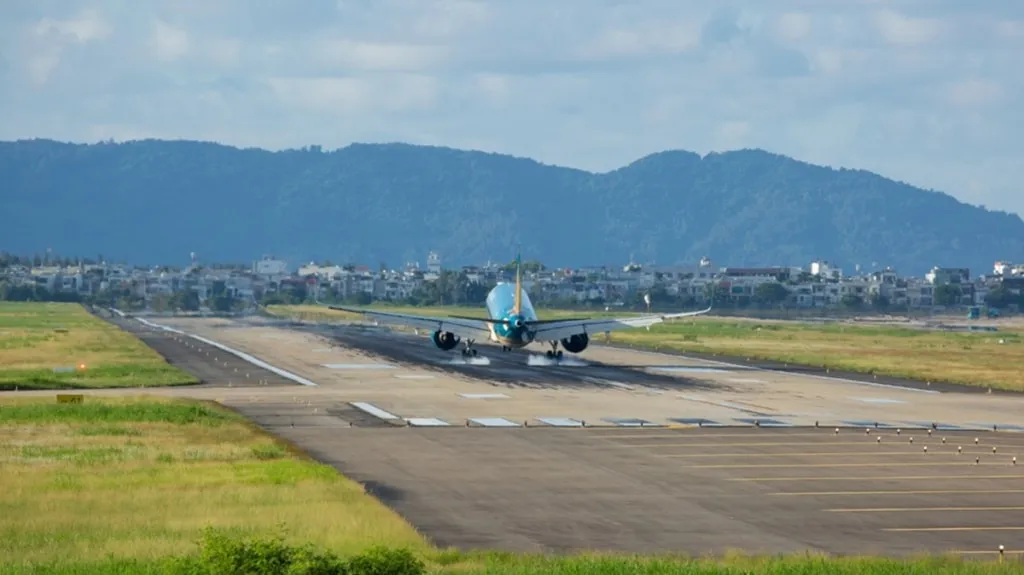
393 202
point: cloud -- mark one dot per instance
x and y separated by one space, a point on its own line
925 91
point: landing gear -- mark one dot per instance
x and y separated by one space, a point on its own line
554 352
506 348
469 351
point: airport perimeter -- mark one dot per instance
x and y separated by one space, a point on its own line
625 450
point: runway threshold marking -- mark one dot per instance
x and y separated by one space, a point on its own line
798 454
939 529
901 492
878 478
915 509
826 465
949 445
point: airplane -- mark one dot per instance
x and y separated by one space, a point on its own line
512 322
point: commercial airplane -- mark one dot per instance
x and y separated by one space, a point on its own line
512 322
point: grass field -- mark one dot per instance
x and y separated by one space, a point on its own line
141 479
977 358
37 338
130 485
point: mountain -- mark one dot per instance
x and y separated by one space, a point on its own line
155 201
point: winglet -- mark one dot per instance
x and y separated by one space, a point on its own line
518 305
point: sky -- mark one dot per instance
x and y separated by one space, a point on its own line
925 91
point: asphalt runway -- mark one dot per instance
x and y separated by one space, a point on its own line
212 366
696 491
527 368
612 486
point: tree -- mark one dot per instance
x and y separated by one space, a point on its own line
771 293
946 294
852 301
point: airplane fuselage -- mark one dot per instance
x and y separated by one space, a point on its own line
501 305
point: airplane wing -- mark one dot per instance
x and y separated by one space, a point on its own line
556 330
466 328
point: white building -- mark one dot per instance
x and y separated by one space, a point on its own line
270 266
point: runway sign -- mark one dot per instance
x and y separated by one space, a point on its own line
560 421
493 422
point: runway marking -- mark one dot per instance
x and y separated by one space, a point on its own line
950 445
1000 426
483 395
698 421
560 421
687 369
738 406
628 421
989 552
494 422
426 422
766 422
357 366
373 410
878 478
881 400
904 492
825 465
907 509
790 373
868 423
936 529
801 454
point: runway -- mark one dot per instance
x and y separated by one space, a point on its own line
407 378
496 456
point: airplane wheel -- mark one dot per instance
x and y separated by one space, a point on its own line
559 354
548 354
472 352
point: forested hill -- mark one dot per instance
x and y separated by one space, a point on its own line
155 201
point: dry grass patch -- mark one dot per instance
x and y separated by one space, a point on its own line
143 478
967 358
37 338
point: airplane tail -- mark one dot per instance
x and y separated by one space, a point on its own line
517 307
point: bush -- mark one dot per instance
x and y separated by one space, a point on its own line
221 554
383 561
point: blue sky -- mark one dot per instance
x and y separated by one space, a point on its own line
925 91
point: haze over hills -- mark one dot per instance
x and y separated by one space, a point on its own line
155 201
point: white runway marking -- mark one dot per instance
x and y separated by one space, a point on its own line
373 410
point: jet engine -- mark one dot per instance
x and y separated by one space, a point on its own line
576 343
445 340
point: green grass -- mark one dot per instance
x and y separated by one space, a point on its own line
140 479
968 358
219 553
36 338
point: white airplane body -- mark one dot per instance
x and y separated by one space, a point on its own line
512 322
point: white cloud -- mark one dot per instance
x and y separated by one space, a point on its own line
84 27
927 91
169 43
897 28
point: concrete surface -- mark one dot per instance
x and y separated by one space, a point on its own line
615 487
